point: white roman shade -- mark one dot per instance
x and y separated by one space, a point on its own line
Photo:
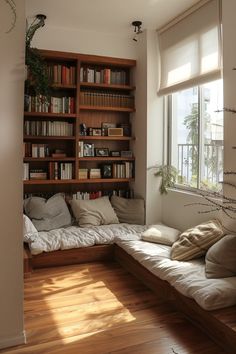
190 49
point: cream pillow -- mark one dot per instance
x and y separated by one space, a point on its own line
161 234
194 242
221 258
94 212
130 211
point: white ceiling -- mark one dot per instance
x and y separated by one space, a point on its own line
112 16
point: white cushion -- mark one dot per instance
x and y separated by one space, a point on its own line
161 234
30 232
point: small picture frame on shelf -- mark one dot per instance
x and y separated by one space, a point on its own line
107 170
115 153
97 131
88 150
101 152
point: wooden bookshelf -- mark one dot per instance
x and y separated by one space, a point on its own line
112 77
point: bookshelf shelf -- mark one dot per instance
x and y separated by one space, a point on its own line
109 158
48 159
112 138
109 98
78 181
50 115
104 108
107 86
41 137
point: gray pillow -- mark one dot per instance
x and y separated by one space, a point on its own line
48 214
221 258
130 211
94 212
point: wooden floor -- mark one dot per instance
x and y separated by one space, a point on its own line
100 308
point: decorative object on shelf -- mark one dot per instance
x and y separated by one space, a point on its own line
95 173
126 153
88 150
97 131
137 29
115 131
101 152
115 153
168 176
107 170
36 66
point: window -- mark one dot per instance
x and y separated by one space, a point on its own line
196 135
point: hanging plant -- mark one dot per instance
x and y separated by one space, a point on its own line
37 78
168 176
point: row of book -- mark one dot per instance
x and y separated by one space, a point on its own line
60 170
128 193
108 170
35 150
103 76
48 128
42 104
61 74
56 170
106 99
122 170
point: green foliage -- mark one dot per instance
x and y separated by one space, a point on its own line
37 72
168 176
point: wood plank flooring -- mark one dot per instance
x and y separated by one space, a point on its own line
99 308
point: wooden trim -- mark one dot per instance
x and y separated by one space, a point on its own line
41 137
89 137
73 256
108 158
48 159
107 86
77 181
106 108
213 323
50 115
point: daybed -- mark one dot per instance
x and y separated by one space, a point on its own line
183 283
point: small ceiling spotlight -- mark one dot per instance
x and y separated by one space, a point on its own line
137 29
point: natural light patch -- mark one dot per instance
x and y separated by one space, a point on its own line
179 74
209 62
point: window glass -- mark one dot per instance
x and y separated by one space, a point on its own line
196 136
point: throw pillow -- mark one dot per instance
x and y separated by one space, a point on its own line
94 212
221 258
194 242
48 214
161 234
30 233
130 211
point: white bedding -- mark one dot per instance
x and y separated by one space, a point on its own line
76 237
187 277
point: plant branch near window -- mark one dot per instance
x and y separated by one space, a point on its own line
168 176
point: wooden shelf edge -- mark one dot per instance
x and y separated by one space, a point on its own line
41 137
51 115
88 137
48 159
108 86
104 108
106 158
78 181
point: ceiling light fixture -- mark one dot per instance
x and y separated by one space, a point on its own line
137 29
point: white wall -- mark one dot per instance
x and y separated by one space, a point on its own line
11 113
86 42
229 78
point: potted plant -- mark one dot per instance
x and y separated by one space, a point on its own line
37 77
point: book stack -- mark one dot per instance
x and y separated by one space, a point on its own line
83 173
38 174
95 173
60 170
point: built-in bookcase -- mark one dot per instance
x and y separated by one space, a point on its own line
79 139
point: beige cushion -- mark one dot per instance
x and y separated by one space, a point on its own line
221 258
48 214
94 212
194 242
161 234
130 211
